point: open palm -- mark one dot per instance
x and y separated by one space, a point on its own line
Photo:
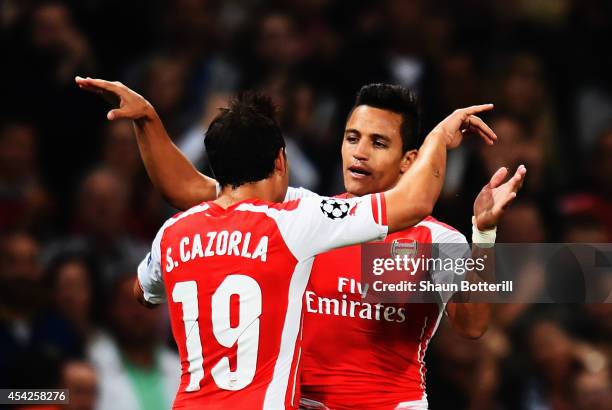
495 197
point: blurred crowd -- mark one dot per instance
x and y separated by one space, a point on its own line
77 211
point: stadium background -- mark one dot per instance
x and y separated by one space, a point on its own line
77 210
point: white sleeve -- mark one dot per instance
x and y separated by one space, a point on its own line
150 273
297 193
449 244
316 224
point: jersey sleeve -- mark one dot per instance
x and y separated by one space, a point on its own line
316 224
150 273
449 244
297 193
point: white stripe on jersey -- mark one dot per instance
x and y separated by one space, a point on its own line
297 363
413 405
379 206
297 193
421 353
440 234
275 395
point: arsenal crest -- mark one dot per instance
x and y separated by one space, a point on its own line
404 246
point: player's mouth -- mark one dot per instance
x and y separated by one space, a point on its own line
359 171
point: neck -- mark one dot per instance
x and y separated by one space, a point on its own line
255 190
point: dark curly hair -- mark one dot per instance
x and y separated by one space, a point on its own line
243 140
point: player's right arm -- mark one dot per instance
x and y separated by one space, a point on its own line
417 191
172 174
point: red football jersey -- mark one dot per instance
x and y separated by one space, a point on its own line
235 280
364 355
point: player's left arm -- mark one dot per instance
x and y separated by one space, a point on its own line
179 182
149 288
171 172
140 297
468 317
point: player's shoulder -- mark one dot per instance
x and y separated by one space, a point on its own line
289 205
306 203
431 221
184 215
296 193
441 232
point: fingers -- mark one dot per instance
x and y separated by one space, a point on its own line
89 83
477 125
498 177
475 109
89 87
117 114
516 182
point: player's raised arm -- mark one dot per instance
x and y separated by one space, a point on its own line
417 191
468 318
172 174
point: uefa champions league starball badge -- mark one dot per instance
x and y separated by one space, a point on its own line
334 208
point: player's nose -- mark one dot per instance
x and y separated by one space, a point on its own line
361 151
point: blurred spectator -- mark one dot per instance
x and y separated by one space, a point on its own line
55 37
595 201
100 226
515 147
80 379
584 229
135 370
592 390
31 338
405 55
120 151
164 85
522 223
120 155
524 93
24 202
278 49
467 377
75 293
190 28
558 359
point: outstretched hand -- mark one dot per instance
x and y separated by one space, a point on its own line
464 122
495 197
131 105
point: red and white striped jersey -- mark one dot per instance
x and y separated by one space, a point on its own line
235 279
365 355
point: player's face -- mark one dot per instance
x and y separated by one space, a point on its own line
372 157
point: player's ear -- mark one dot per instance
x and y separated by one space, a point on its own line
407 160
280 163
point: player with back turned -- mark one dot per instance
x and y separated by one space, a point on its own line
357 354
234 270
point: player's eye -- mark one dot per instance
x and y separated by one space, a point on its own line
380 144
351 139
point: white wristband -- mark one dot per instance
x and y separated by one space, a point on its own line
483 239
